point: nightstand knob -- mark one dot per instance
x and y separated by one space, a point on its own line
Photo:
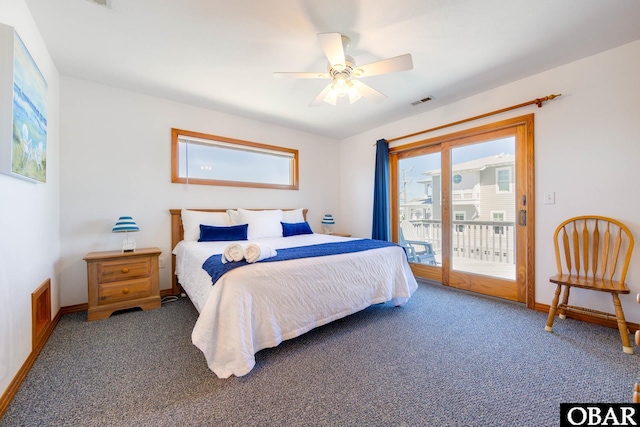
125 270
125 291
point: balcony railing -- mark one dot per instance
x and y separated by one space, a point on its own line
478 240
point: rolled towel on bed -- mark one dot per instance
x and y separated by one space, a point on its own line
254 252
233 252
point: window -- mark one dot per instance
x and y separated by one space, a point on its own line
498 216
459 216
198 158
503 180
457 178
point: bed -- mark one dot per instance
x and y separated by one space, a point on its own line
261 304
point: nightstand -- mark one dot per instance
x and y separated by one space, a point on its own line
119 280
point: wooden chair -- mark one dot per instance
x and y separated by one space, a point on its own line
593 253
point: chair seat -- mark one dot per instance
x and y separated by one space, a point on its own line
586 247
595 284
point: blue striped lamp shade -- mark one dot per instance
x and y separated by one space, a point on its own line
125 224
328 219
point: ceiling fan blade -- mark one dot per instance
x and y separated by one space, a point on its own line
391 65
321 96
331 44
368 92
302 75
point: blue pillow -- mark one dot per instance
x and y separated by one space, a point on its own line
210 233
293 229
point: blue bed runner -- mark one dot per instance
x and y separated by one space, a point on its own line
214 266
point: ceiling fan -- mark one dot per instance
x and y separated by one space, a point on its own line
344 72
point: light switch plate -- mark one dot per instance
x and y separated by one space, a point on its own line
550 198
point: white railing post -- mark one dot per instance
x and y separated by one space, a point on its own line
489 240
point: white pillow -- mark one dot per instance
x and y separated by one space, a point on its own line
294 216
191 221
234 216
262 223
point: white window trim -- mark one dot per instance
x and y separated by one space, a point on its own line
493 218
493 215
460 227
509 170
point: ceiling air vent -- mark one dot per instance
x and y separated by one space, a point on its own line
105 3
423 100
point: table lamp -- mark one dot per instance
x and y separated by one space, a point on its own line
126 224
328 223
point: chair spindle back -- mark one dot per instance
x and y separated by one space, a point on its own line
585 245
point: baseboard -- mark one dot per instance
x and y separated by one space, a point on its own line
166 292
84 307
610 323
74 308
14 385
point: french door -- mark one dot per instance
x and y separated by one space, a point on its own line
463 211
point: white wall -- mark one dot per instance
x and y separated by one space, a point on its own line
108 154
116 160
587 149
29 216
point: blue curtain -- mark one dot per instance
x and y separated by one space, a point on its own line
381 221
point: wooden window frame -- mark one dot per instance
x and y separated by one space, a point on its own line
175 161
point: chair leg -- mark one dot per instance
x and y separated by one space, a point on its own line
622 325
553 308
565 301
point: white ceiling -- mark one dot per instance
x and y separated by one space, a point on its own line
221 54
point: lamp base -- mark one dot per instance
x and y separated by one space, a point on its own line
128 245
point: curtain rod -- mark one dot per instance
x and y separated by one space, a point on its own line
537 101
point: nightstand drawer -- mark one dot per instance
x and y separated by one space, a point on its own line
123 291
124 269
119 280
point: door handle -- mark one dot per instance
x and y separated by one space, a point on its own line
522 217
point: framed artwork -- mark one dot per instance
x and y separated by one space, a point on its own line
23 111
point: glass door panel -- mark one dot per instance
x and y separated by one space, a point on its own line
483 207
420 208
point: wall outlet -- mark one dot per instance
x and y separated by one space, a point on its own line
162 262
550 198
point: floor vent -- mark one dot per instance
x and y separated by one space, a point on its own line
423 100
40 312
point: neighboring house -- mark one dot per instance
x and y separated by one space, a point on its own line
417 209
482 189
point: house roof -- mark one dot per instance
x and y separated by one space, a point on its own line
477 164
221 55
418 202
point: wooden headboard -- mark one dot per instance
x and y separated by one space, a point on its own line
177 234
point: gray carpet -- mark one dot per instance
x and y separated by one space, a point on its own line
446 358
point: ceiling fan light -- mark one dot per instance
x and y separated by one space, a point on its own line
341 85
354 94
331 98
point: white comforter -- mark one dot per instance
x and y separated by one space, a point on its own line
262 304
